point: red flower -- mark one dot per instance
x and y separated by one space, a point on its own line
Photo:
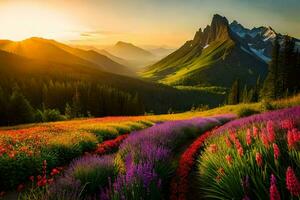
259 160
54 172
276 151
292 182
264 139
287 124
271 131
110 145
20 187
274 194
229 159
293 136
255 132
42 182
180 184
228 143
241 151
248 137
31 178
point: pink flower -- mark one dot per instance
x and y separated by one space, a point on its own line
259 160
276 151
274 194
292 182
293 136
255 132
264 139
240 151
248 137
287 124
271 132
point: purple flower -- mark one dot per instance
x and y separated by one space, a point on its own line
146 150
275 116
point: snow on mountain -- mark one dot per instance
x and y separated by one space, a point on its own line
260 53
258 39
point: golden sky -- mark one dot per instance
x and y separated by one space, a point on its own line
142 22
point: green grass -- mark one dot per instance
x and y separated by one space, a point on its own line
215 65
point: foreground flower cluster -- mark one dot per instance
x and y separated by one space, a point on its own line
253 158
180 183
144 160
22 151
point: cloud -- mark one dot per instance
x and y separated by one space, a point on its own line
99 33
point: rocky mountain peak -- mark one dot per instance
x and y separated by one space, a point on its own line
217 30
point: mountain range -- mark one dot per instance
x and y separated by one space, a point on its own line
47 62
50 50
135 56
217 55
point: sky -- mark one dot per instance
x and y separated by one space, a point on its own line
163 23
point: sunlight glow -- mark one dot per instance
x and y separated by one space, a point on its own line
20 21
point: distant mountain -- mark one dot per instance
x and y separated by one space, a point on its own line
161 52
114 58
50 50
135 55
217 55
158 98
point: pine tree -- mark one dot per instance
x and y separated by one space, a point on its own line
245 98
234 94
68 111
19 108
270 89
76 109
3 107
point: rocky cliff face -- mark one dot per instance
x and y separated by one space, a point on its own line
217 30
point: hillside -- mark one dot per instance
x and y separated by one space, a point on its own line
50 50
35 75
137 56
215 57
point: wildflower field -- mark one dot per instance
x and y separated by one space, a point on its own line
257 157
156 157
141 168
23 151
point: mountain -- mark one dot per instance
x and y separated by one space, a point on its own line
115 58
36 74
137 56
50 50
161 51
217 55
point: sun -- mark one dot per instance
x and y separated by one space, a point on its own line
20 21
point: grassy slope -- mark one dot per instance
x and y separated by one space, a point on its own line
284 103
189 66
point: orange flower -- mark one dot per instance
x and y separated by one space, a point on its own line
259 160
248 137
213 148
229 159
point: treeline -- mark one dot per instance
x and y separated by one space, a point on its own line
35 100
284 70
282 79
